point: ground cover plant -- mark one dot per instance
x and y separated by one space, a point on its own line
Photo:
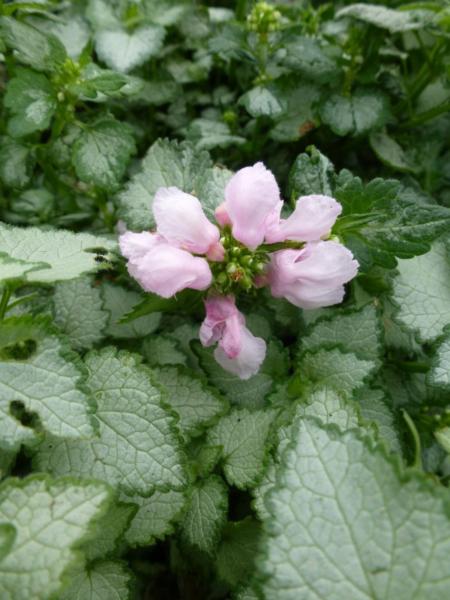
224 300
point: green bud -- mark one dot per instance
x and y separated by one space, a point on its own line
222 278
235 251
232 268
246 282
246 260
259 267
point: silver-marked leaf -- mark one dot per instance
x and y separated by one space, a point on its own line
77 306
206 513
104 580
50 518
67 255
101 153
119 301
422 293
343 372
48 385
345 523
196 405
356 331
124 51
136 449
243 437
155 516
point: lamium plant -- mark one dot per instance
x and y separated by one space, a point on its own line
224 300
252 246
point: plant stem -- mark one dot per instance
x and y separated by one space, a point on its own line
427 115
4 301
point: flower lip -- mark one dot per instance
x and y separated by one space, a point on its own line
311 220
251 196
313 277
181 221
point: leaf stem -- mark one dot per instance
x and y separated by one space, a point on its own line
417 445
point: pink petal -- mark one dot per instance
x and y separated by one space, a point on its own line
216 252
313 277
313 218
247 362
251 196
222 216
239 351
136 245
181 221
166 270
218 310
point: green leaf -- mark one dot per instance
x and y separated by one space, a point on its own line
101 153
343 372
51 517
261 102
443 437
155 517
207 134
103 580
311 173
307 56
206 514
48 385
356 331
107 531
16 269
250 392
31 99
98 84
299 115
43 52
243 436
71 30
74 255
391 153
422 293
196 405
237 551
381 221
78 312
124 51
7 537
136 449
165 164
387 18
248 593
16 163
344 522
374 409
440 373
119 301
161 350
322 403
366 109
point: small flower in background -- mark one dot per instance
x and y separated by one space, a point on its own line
251 247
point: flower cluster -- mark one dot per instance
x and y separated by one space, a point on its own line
252 246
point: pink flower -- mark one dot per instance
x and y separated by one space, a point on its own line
252 198
238 350
181 221
313 218
314 276
161 268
